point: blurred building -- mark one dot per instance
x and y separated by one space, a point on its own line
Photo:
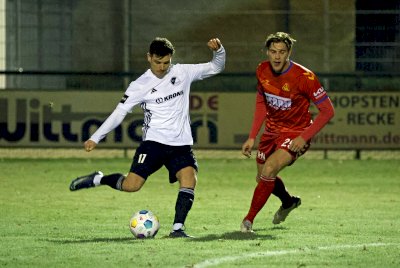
102 44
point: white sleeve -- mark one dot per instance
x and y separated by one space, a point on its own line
114 120
218 61
211 68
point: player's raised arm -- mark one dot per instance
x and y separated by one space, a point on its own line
214 44
216 65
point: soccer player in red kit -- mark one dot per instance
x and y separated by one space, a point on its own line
284 92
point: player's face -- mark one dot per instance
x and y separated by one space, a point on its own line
159 65
278 56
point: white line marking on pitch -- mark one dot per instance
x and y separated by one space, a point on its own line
217 261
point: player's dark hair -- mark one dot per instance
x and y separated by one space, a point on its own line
161 46
280 37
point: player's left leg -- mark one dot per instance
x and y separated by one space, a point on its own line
282 213
289 202
187 182
183 168
281 192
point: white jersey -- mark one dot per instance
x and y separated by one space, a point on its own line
165 102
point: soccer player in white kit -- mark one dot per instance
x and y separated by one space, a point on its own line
163 94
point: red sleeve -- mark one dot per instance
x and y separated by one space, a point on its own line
259 116
326 112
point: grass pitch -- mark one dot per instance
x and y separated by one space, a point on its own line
349 216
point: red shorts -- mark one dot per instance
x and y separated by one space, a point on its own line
270 142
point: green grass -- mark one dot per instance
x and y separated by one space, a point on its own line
350 217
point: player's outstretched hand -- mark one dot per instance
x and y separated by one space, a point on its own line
89 145
214 44
247 146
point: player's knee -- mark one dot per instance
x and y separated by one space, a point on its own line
189 181
132 183
187 177
269 171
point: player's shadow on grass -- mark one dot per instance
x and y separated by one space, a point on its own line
91 240
234 236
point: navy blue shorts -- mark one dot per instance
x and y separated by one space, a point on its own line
150 156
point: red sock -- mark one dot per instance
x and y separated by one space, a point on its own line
261 194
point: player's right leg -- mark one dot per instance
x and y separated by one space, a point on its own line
86 181
260 196
129 183
266 184
246 226
145 162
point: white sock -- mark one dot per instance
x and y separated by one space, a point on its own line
177 226
97 178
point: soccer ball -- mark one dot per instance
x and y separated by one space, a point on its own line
144 224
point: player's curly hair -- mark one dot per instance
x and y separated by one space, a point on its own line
161 46
280 37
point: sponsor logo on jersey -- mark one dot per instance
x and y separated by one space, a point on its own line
278 102
153 90
124 98
169 97
173 79
286 87
319 92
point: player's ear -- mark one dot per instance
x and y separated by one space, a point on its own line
289 53
149 57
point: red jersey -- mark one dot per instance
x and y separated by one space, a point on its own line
287 96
